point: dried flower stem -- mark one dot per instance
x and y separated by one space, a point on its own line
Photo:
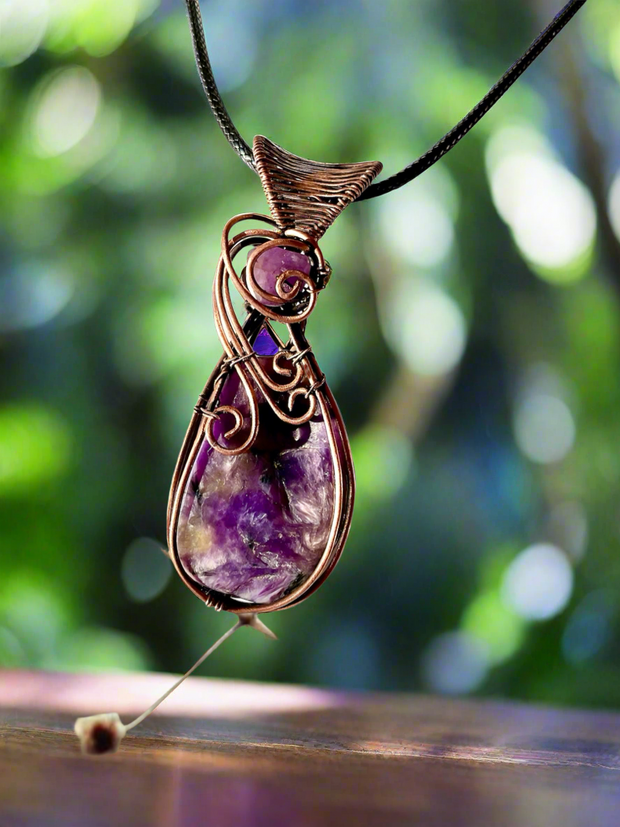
103 733
200 660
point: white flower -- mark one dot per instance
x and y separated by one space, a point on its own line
100 733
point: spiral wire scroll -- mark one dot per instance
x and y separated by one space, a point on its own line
295 374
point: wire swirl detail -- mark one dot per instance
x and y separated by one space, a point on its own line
289 380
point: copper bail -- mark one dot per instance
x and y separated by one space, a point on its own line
308 195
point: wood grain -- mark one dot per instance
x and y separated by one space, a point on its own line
225 753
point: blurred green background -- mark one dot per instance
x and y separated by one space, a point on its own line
471 334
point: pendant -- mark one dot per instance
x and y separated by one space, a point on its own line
262 494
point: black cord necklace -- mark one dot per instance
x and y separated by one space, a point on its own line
431 156
262 494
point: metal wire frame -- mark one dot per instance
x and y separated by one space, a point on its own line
343 476
301 376
305 197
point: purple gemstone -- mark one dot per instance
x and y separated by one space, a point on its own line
272 263
265 344
254 525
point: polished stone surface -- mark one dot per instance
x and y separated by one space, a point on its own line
255 525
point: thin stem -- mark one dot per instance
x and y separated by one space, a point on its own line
200 660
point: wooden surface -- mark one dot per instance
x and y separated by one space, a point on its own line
250 755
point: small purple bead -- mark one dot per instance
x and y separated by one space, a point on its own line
272 263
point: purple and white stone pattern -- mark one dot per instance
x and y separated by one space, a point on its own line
254 525
271 264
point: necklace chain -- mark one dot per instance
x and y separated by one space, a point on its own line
431 156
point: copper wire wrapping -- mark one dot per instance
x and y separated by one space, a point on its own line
303 382
301 378
305 197
308 195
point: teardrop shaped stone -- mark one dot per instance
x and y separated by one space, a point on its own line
253 526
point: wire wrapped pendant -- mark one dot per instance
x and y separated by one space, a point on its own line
262 495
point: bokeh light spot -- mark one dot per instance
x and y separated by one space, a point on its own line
34 614
539 582
614 204
544 428
383 458
417 222
65 111
33 296
233 22
22 27
145 570
426 327
35 448
98 649
97 26
455 663
488 619
550 212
